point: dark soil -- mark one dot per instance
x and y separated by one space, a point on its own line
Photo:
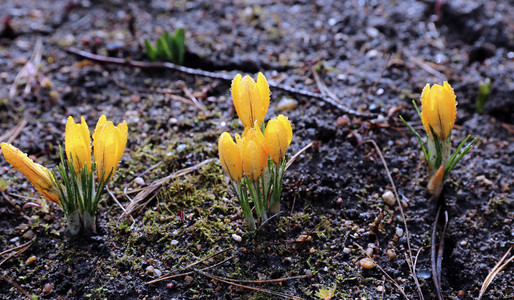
375 56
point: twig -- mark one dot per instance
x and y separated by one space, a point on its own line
119 204
225 280
407 234
16 250
220 76
295 156
29 71
383 271
322 87
420 63
17 286
13 133
151 191
494 271
437 258
270 280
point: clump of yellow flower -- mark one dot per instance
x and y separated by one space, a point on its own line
255 162
76 191
439 109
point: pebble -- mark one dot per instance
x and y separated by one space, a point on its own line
484 180
170 285
139 181
399 231
367 263
347 250
157 272
150 269
286 104
14 239
287 259
47 289
391 254
188 279
174 242
461 294
463 243
303 238
369 251
31 259
388 197
380 288
236 237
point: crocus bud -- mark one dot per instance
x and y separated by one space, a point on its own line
278 137
255 153
34 172
230 156
78 144
251 99
109 142
438 109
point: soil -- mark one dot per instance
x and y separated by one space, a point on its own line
374 56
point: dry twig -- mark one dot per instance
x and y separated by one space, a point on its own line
220 76
16 250
494 271
13 133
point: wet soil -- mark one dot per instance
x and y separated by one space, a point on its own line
374 56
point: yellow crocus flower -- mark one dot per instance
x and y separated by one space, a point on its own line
279 135
251 99
439 109
78 144
230 156
38 175
108 145
255 153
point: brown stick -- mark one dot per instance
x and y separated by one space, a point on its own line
220 76
225 280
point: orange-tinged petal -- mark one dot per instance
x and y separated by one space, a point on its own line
230 157
34 172
78 144
109 142
439 109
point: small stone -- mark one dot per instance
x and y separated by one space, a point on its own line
311 250
174 242
139 181
170 285
14 239
399 231
380 288
157 272
188 279
461 294
347 250
150 269
47 289
237 238
484 180
369 251
388 198
463 243
28 235
367 263
303 238
286 104
391 254
30 260
287 260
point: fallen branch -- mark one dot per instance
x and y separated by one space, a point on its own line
214 75
13 133
16 250
227 281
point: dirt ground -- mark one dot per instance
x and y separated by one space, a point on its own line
373 56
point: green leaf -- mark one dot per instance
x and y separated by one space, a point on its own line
163 51
151 51
178 46
420 140
456 156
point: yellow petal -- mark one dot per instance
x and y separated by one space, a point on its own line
277 139
251 99
34 172
439 109
254 159
78 144
109 142
230 156
287 126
